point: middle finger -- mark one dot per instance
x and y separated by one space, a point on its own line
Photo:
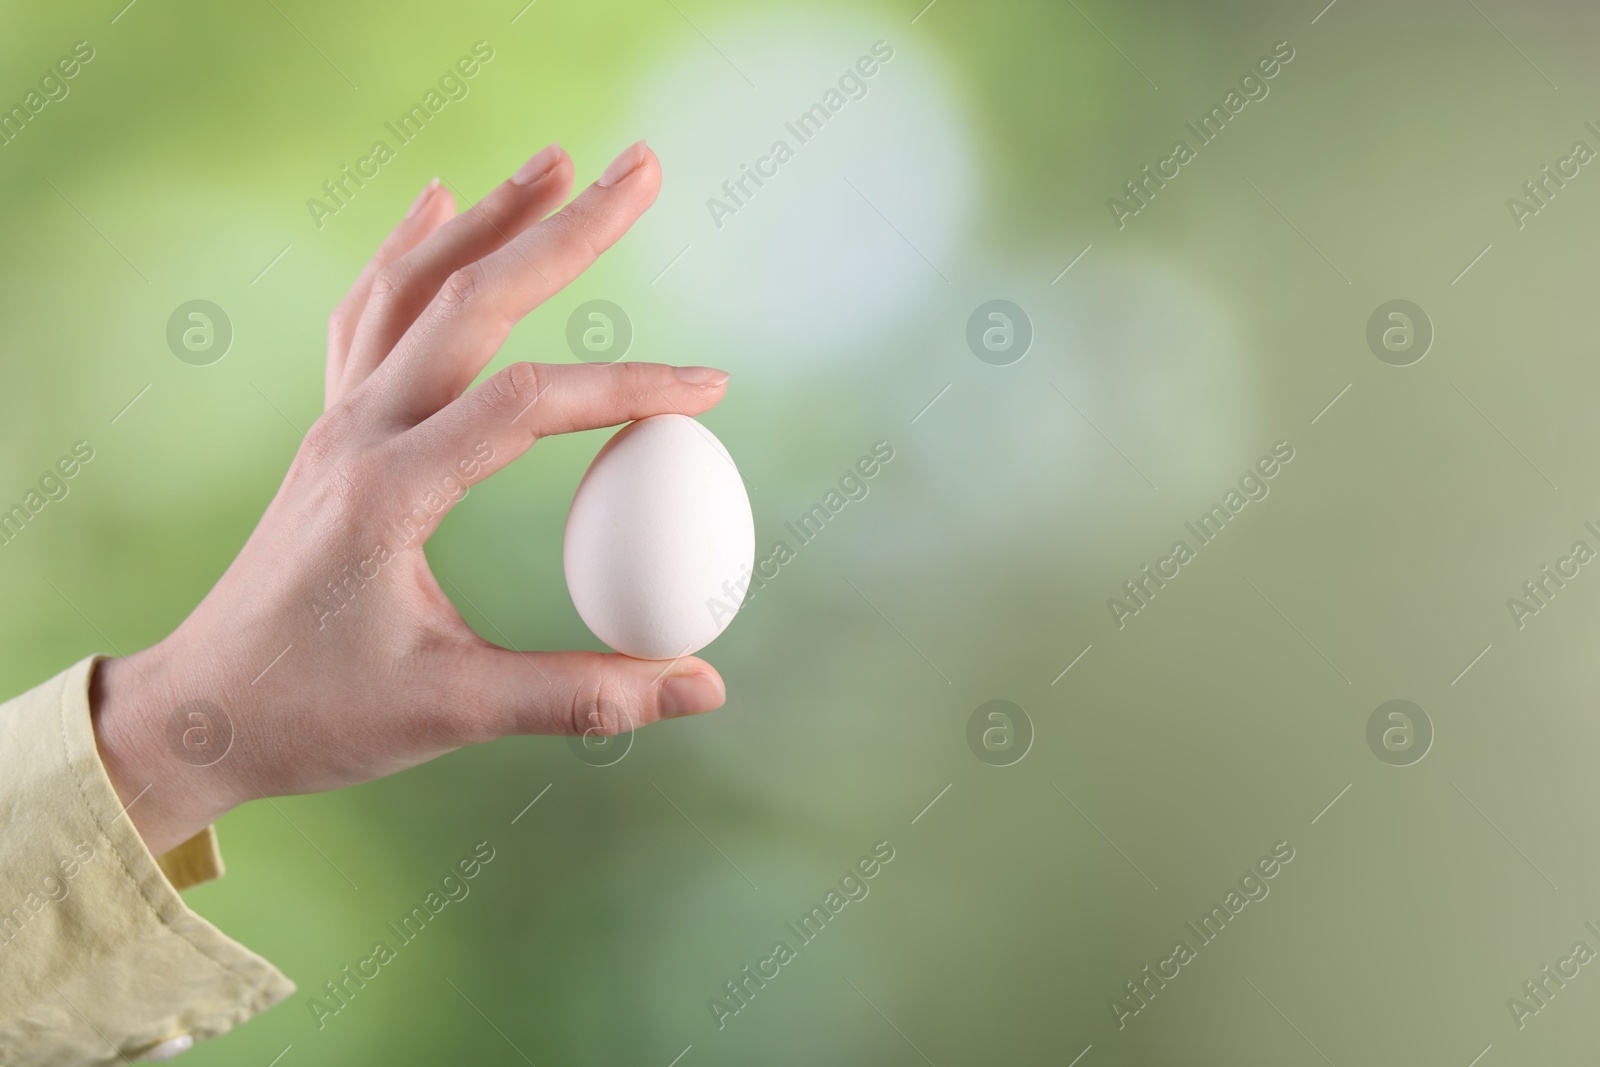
403 288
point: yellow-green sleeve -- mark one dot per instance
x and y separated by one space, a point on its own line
100 960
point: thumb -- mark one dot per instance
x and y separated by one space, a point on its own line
584 693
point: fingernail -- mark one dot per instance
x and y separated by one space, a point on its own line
702 375
541 164
422 197
623 165
686 694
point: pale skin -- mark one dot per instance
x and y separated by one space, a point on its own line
397 677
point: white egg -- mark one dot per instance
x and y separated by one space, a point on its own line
660 540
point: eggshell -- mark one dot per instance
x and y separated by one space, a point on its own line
659 526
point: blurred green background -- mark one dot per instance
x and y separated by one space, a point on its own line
1178 750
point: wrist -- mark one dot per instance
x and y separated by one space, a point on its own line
151 739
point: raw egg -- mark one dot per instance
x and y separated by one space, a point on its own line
660 539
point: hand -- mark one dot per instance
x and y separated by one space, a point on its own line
328 643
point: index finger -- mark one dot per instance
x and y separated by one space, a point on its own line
526 401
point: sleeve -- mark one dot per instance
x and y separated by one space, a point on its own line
100 961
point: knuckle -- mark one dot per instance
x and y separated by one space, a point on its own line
512 389
640 380
461 287
342 319
599 708
322 442
392 279
336 471
338 317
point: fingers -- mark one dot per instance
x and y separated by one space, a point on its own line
578 693
427 213
526 401
403 287
476 307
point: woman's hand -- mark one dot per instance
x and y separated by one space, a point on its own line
328 644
